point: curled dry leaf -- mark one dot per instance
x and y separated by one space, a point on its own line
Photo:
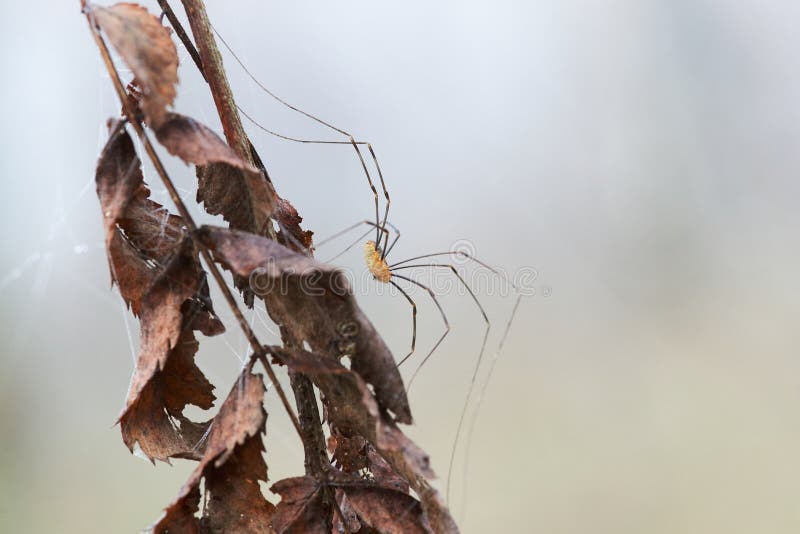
147 48
387 510
290 232
197 144
232 465
364 504
227 185
243 199
315 300
383 473
302 509
352 409
349 452
347 520
298 239
159 275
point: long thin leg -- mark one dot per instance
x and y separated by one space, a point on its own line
481 395
385 193
374 192
357 240
444 318
343 232
381 224
361 237
413 320
461 254
477 363
166 10
394 241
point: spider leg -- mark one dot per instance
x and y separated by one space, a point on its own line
482 394
462 255
444 318
472 382
388 199
361 237
413 320
380 224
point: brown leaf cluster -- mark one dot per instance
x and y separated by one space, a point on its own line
317 301
232 466
154 260
155 265
363 505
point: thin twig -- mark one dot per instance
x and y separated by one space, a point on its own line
208 60
184 212
182 35
214 72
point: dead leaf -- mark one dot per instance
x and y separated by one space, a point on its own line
348 517
350 453
147 48
244 200
352 409
365 505
236 503
232 465
301 510
316 301
227 185
156 267
387 510
197 144
382 472
298 239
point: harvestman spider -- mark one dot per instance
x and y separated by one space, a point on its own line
377 251
385 272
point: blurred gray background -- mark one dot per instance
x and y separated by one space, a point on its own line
640 155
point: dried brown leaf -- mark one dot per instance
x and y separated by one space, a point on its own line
348 517
232 465
147 48
364 504
298 239
387 510
243 199
352 409
159 275
315 301
350 452
382 472
197 144
153 417
301 509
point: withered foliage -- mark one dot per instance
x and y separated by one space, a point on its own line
316 300
147 48
376 479
232 465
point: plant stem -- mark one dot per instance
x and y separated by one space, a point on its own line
214 72
181 33
208 60
184 212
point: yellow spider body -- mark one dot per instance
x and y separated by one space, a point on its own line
375 263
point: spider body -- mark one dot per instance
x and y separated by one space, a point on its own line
376 263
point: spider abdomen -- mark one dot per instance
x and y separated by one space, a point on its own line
375 263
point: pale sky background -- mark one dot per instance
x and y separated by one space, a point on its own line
640 155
